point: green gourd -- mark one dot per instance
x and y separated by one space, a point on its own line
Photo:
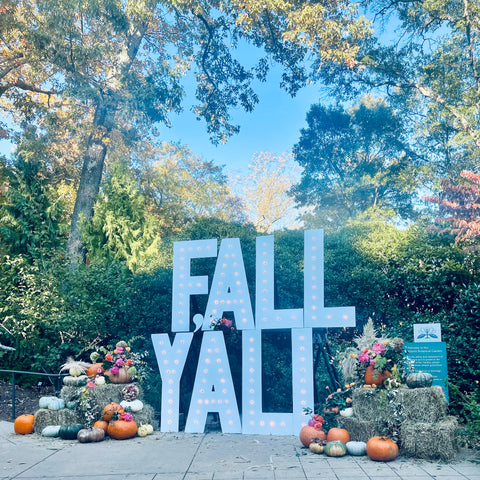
69 432
70 381
335 448
72 404
419 380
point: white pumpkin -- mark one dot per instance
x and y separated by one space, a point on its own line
357 448
51 431
347 412
149 428
56 404
44 402
142 431
133 406
100 380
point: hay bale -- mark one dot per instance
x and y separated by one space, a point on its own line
45 417
432 441
371 405
422 405
145 416
361 430
92 402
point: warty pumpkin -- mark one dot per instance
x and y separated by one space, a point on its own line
112 409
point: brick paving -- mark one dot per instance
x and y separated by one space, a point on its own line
208 456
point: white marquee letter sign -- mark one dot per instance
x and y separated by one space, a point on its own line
213 390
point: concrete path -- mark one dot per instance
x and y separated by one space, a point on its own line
209 456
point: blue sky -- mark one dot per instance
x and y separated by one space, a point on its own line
273 126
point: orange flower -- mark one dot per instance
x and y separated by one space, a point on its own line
129 361
108 357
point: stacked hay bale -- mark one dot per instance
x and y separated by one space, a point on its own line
417 417
426 430
85 406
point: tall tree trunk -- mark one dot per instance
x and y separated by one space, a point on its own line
90 179
96 147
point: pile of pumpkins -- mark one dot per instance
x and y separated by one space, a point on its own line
112 423
337 443
117 421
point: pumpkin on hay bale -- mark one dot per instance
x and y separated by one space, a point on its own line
433 441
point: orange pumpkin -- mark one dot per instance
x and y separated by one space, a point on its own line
382 449
375 378
307 433
24 424
338 434
121 429
92 370
101 424
110 410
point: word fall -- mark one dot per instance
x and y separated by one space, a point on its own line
213 389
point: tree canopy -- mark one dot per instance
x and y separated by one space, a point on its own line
118 65
355 161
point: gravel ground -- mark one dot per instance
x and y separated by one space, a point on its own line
26 399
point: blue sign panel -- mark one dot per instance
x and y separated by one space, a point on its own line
430 357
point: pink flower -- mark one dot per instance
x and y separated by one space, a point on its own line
378 348
119 362
372 363
226 322
114 370
364 358
119 349
127 417
91 384
311 423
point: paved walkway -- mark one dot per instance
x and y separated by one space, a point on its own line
209 456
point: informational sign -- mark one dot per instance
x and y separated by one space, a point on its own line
213 390
431 358
427 332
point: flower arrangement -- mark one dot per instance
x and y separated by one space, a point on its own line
383 356
121 357
222 324
225 325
